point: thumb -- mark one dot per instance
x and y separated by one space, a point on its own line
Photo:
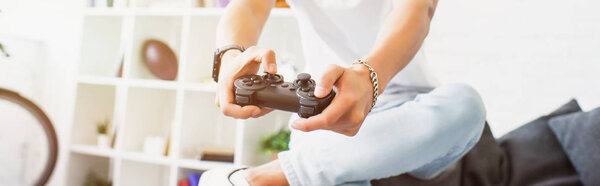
328 79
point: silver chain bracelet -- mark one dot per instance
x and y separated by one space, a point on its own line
374 80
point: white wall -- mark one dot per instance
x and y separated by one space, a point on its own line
54 26
525 57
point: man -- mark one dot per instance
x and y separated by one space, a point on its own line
366 47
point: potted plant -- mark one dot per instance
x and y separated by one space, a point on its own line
102 129
276 142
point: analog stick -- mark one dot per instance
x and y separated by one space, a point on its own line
304 79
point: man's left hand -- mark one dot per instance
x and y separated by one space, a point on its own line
350 106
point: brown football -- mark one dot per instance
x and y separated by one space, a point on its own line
160 59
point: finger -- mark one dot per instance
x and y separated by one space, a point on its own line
227 102
240 112
327 118
328 79
268 60
264 56
263 112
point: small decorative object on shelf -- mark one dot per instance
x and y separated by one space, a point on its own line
276 142
102 3
281 4
221 3
102 130
183 182
154 145
217 154
92 179
160 59
194 178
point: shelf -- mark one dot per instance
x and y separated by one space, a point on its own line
213 11
152 83
201 87
137 173
201 11
161 4
92 150
146 158
202 165
95 80
106 11
159 12
93 104
180 112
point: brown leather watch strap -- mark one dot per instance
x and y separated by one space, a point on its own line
217 59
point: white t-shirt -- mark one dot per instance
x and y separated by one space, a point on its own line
341 31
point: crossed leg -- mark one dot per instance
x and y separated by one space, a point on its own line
421 136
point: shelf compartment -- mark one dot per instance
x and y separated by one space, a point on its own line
80 166
149 112
138 173
201 45
163 28
101 53
93 104
183 173
203 127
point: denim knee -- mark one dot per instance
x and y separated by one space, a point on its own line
465 114
466 104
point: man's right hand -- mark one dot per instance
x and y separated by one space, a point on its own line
235 64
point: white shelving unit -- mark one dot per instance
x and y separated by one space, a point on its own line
140 105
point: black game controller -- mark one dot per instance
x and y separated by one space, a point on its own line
270 91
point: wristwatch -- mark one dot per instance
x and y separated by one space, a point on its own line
217 58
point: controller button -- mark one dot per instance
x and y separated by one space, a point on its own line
242 100
292 89
249 84
307 110
257 81
285 85
253 78
305 89
246 80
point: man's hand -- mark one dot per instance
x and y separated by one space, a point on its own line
236 64
350 106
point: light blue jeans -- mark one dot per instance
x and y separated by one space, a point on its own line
421 135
